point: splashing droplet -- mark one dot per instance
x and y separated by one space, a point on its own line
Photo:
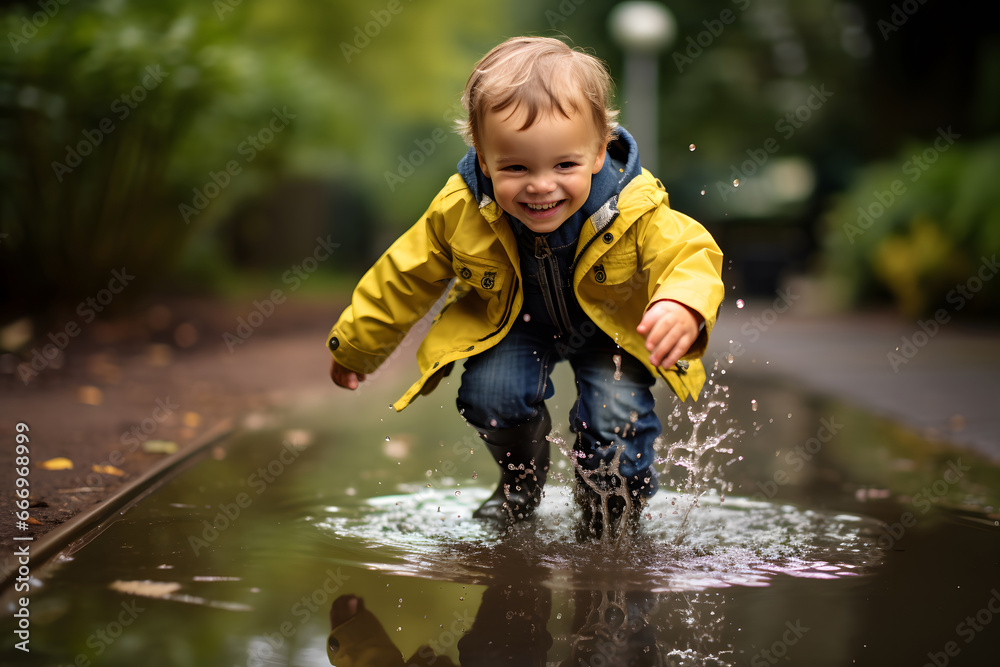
618 366
753 404
527 317
703 192
736 182
691 147
739 303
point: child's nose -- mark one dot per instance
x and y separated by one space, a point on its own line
541 184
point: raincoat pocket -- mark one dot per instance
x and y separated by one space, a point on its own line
617 266
485 277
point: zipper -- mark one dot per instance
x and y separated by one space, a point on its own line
506 312
550 281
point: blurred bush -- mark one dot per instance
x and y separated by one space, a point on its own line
917 232
130 131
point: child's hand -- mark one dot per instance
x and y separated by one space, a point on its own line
670 329
345 377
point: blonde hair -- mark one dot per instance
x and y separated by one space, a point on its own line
543 74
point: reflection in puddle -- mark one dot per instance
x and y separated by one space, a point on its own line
512 627
740 542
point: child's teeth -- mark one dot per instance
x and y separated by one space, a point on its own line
542 207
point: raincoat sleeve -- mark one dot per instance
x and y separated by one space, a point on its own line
396 292
362 642
684 264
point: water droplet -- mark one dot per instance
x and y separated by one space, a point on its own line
618 366
458 493
527 317
387 438
753 404
739 303
475 475
736 182
703 192
493 423
691 147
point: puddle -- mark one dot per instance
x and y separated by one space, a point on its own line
826 537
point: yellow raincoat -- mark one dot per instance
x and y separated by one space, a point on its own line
632 252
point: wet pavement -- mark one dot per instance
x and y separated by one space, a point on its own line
824 535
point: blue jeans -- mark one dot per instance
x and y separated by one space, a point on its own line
507 385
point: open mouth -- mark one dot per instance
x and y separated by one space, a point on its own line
541 208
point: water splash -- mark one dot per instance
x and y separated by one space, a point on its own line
694 465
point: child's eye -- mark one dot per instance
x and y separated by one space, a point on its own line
514 167
566 165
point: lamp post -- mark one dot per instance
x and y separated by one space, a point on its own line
642 29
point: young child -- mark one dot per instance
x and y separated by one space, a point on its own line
554 245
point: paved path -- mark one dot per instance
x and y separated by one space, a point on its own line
948 388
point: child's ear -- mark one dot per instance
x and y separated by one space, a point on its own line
599 160
482 164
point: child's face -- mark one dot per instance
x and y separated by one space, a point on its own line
540 175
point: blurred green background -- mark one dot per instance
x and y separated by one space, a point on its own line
200 144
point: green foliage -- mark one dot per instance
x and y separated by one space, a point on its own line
129 130
912 228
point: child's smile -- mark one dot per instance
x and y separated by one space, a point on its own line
541 175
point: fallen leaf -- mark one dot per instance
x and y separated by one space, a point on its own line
159 355
159 447
89 395
34 522
58 463
108 470
146 588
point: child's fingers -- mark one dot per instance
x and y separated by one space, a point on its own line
344 377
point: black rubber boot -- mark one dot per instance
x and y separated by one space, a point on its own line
609 505
522 452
